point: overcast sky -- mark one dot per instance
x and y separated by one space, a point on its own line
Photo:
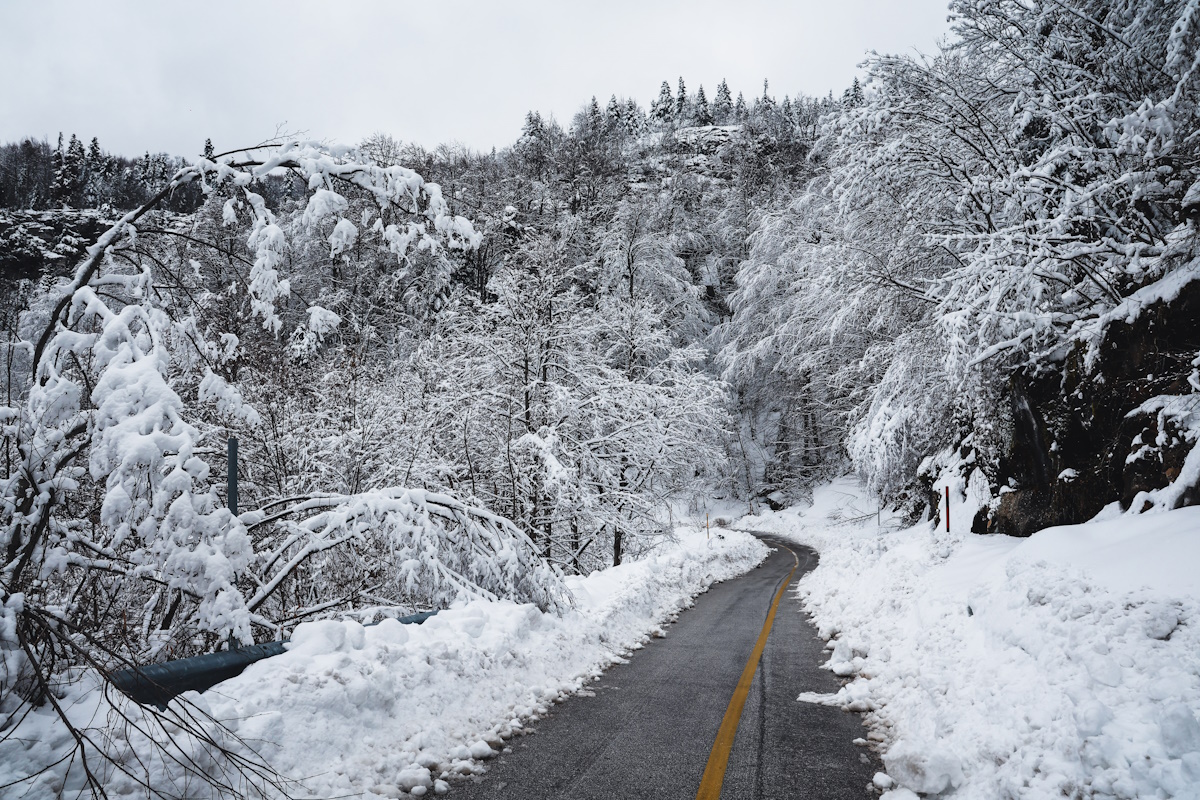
163 75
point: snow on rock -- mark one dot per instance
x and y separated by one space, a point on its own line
389 709
707 138
1062 665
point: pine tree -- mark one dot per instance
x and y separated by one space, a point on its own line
58 185
739 108
95 169
71 175
533 127
613 113
766 103
208 149
854 95
722 107
703 114
142 172
595 118
663 109
75 166
681 101
533 145
634 118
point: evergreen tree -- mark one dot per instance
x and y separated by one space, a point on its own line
58 186
613 113
722 107
703 114
533 128
208 149
533 145
635 120
663 109
681 101
766 104
595 118
853 96
75 165
739 108
96 175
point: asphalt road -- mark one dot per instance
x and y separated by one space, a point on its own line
650 727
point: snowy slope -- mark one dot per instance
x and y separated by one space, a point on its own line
377 711
1062 665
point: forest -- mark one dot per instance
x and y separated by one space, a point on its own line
454 373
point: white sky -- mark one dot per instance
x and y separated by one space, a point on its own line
163 75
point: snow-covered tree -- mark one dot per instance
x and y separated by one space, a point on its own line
614 114
980 210
662 110
703 115
112 501
681 102
722 107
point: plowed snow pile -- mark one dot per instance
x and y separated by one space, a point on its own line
381 710
1062 665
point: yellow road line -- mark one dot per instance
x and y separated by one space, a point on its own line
718 759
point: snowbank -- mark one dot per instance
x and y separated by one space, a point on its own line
1062 665
377 711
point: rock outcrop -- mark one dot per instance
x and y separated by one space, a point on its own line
1083 436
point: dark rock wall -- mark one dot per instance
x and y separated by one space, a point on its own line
36 243
1065 417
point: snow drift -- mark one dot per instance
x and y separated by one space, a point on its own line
1062 665
382 710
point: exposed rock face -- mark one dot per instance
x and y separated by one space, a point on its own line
34 243
709 139
1078 440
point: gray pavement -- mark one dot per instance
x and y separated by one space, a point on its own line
648 730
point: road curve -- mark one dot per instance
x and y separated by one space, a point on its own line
649 730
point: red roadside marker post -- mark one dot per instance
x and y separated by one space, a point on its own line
947 509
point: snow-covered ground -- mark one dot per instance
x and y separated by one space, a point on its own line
377 711
1062 665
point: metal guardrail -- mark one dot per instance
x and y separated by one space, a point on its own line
158 684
